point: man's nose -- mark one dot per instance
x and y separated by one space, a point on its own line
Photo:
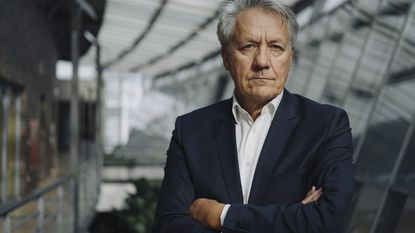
261 59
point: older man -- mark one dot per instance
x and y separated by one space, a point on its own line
252 163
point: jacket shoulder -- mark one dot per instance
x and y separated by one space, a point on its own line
308 106
211 111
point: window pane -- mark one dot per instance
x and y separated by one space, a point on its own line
352 48
391 119
406 176
27 180
1 145
387 130
11 139
358 108
407 223
369 77
365 210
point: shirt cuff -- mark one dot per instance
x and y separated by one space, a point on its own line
223 214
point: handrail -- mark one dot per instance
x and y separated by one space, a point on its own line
15 204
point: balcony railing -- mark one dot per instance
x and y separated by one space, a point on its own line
51 208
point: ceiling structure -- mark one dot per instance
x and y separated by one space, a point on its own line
58 15
171 41
155 38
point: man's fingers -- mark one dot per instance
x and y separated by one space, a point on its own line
309 195
311 190
316 195
312 195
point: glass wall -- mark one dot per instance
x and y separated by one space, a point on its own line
10 143
406 223
360 56
36 186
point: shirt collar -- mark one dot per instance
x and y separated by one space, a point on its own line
272 107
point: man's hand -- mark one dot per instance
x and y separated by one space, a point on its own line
207 212
312 195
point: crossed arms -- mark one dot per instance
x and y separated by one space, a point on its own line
179 209
208 211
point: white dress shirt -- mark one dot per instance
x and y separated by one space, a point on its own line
250 136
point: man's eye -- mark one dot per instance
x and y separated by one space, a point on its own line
248 47
276 47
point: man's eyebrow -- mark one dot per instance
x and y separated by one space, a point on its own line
246 40
276 41
251 38
279 41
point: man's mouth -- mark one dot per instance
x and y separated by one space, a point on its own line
261 78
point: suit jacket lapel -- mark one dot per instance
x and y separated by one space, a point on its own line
284 122
226 144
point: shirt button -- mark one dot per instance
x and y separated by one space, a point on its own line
248 164
253 130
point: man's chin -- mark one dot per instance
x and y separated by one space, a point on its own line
263 98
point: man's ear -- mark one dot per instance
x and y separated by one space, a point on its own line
225 57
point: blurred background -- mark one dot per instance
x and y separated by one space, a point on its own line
90 89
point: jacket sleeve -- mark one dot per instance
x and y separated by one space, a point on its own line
177 193
335 174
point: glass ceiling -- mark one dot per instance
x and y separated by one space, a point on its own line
153 37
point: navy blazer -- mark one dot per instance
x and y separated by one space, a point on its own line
307 144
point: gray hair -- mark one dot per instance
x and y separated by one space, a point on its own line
231 8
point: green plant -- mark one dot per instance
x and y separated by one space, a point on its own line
140 206
138 215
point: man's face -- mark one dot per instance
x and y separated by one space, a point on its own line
259 55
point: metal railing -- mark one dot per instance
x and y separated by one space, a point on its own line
50 209
40 209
